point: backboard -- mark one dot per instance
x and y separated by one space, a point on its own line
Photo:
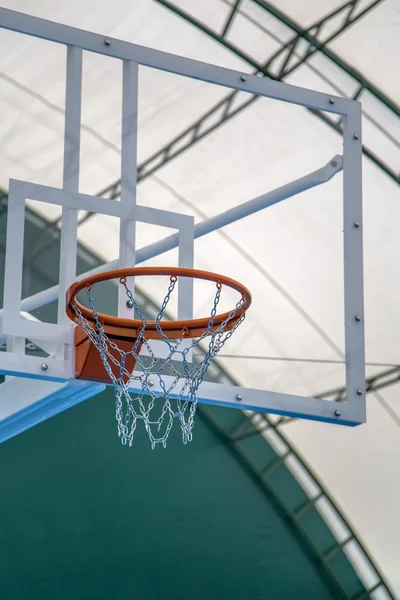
52 384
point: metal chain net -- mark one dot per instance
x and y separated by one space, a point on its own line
136 398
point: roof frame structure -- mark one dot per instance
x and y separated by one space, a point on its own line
280 65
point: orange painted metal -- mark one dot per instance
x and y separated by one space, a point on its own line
190 328
89 364
124 332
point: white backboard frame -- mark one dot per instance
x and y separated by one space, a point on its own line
15 362
61 366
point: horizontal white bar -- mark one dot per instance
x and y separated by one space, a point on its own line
63 197
171 63
46 345
22 365
26 190
209 393
164 218
39 329
265 401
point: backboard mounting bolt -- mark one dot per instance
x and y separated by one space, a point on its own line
129 304
356 136
107 42
239 397
243 78
337 413
331 101
359 392
333 163
44 366
151 383
358 318
356 224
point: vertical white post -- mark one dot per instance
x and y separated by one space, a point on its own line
13 273
353 260
186 284
16 345
186 259
72 140
128 177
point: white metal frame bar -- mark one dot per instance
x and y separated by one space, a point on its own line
72 143
350 412
231 396
127 232
12 322
163 61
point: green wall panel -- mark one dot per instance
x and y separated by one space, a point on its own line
83 517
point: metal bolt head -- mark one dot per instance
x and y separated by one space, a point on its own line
129 304
150 383
239 397
44 366
356 136
359 392
333 163
243 78
331 101
356 224
107 42
357 318
337 413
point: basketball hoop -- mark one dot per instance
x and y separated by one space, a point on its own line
108 348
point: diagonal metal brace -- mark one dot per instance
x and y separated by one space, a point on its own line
313 179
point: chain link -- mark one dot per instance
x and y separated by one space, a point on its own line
177 399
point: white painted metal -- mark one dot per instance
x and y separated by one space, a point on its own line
72 143
22 365
28 366
178 65
14 257
12 322
271 402
127 231
352 411
353 261
19 191
220 395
